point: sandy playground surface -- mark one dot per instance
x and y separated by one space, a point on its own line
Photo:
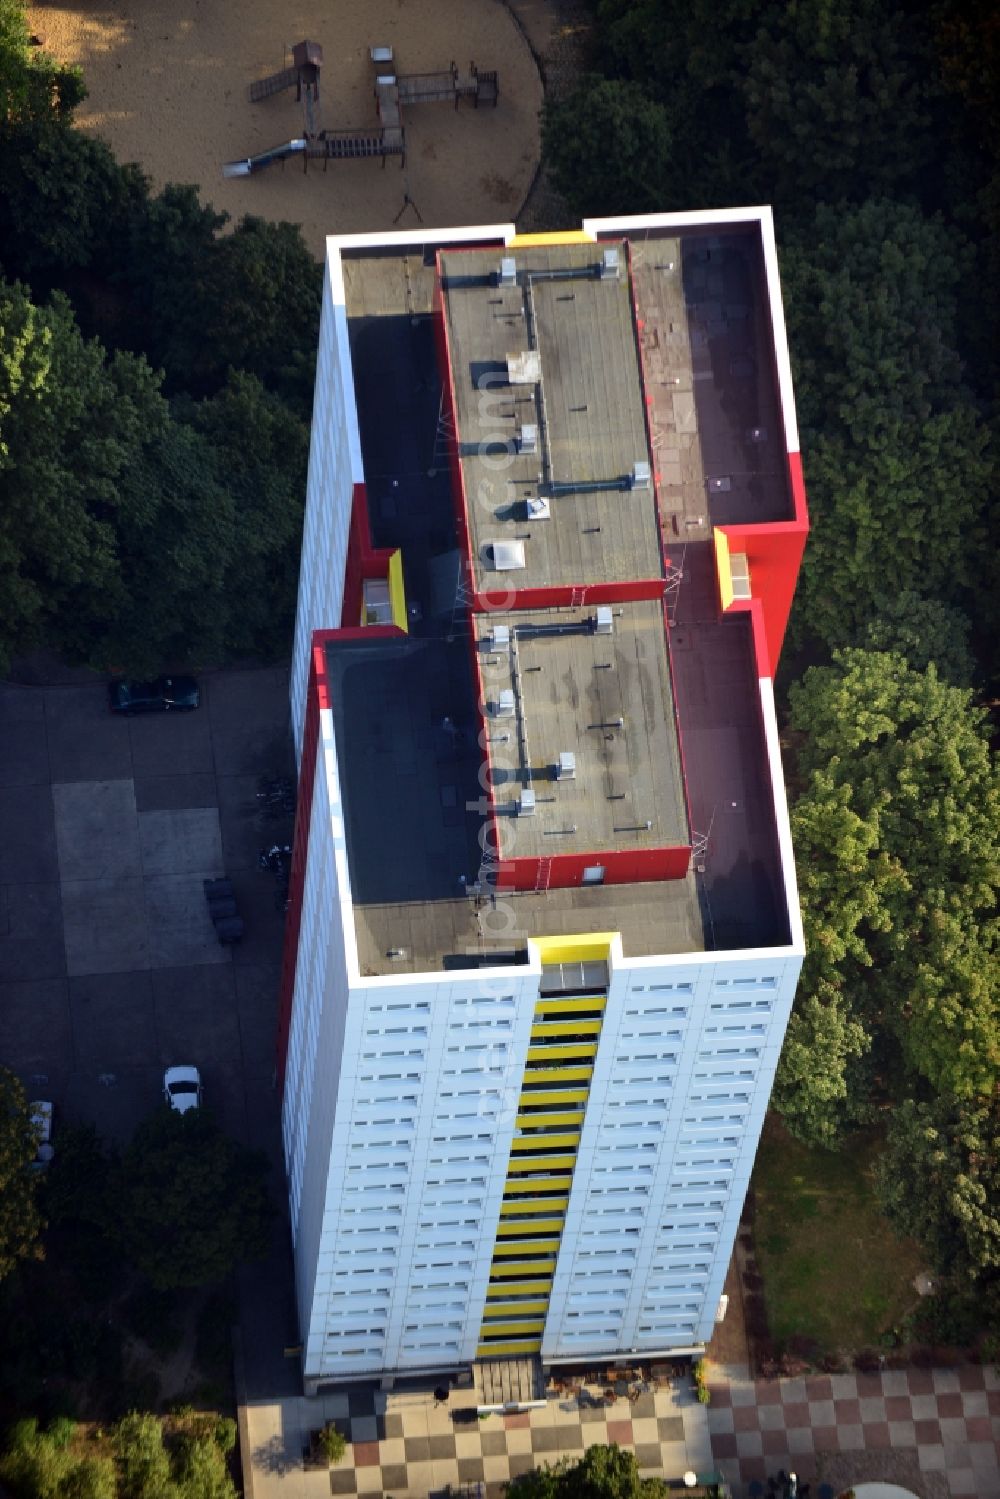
168 89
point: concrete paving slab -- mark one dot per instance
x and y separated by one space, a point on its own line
186 840
172 743
163 793
28 847
245 830
87 742
35 1030
104 925
115 1102
250 722
25 760
96 830
196 1016
255 892
114 1021
257 1006
31 941
180 927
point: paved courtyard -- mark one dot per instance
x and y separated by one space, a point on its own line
109 965
409 1446
937 1431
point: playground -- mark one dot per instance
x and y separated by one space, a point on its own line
170 84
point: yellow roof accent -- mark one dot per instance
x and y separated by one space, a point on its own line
397 593
587 947
723 567
557 237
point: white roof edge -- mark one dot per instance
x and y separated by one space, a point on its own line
338 295
327 753
689 219
419 236
785 850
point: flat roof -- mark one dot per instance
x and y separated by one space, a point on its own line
585 720
586 412
406 774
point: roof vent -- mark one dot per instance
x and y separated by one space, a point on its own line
640 475
610 264
504 706
380 54
604 620
526 804
538 507
504 556
500 638
524 368
507 274
565 766
527 438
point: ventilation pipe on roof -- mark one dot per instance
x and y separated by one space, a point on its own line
507 274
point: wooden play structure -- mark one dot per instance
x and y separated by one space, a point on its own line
392 91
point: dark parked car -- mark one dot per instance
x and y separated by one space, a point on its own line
177 694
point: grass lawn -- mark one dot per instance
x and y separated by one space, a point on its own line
833 1270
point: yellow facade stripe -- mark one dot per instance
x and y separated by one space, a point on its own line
530 1186
553 1119
551 1164
532 1228
567 1073
553 1097
587 947
397 593
520 1209
509 1328
567 1007
535 1306
554 237
568 1051
512 1285
550 1029
565 1140
508 1348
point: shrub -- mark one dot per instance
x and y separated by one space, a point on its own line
224 1433
331 1442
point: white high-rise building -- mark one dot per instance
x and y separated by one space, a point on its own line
544 933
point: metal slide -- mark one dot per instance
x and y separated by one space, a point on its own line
252 164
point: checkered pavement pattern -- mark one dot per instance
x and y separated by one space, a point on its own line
409 1447
949 1419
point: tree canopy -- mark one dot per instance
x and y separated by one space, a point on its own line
895 820
604 1472
191 1202
20 1221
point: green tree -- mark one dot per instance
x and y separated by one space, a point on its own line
90 1478
202 1472
939 1182
36 1463
609 148
895 823
840 99
32 85
604 1472
143 1461
192 1202
923 630
20 1222
71 425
